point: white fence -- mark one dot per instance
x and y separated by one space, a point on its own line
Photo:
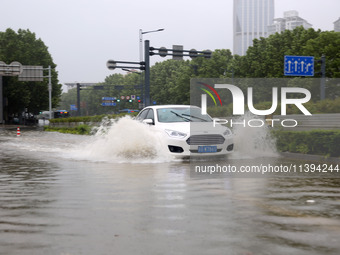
315 121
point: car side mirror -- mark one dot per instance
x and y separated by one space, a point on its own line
148 121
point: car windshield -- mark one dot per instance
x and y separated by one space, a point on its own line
182 114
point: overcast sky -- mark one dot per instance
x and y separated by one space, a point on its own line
83 34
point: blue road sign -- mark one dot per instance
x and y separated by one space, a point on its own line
73 107
299 66
108 98
108 104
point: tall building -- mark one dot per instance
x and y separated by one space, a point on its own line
251 20
290 21
337 25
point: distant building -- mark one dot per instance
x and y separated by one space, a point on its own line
290 21
337 25
251 20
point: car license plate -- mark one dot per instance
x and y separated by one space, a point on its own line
207 149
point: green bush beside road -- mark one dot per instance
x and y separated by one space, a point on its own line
95 118
79 130
316 142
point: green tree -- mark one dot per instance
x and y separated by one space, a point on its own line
115 85
165 83
265 59
170 79
25 48
219 65
327 43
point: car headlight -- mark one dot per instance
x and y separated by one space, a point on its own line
227 132
175 134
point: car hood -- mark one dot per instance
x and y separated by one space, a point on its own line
193 127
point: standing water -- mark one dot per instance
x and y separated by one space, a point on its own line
117 192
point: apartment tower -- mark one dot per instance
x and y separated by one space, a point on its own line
290 21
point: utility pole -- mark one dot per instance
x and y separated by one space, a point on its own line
78 99
50 91
147 73
141 33
323 77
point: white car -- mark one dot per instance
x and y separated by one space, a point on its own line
187 132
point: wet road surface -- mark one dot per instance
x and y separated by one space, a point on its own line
57 199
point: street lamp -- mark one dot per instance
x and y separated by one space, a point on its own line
141 33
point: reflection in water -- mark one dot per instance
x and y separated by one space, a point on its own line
303 213
50 204
25 188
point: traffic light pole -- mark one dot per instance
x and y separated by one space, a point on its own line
78 99
148 51
323 78
147 73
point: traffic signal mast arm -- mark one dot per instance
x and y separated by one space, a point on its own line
163 52
112 64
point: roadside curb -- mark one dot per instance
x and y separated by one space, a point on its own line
301 156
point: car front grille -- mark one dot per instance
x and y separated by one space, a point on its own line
205 139
196 151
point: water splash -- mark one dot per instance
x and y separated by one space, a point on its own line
123 140
252 142
126 140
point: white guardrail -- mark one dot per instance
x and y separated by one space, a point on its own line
315 121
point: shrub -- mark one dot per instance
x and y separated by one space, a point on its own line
83 129
88 119
319 142
80 130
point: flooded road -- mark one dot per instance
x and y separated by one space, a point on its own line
58 195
